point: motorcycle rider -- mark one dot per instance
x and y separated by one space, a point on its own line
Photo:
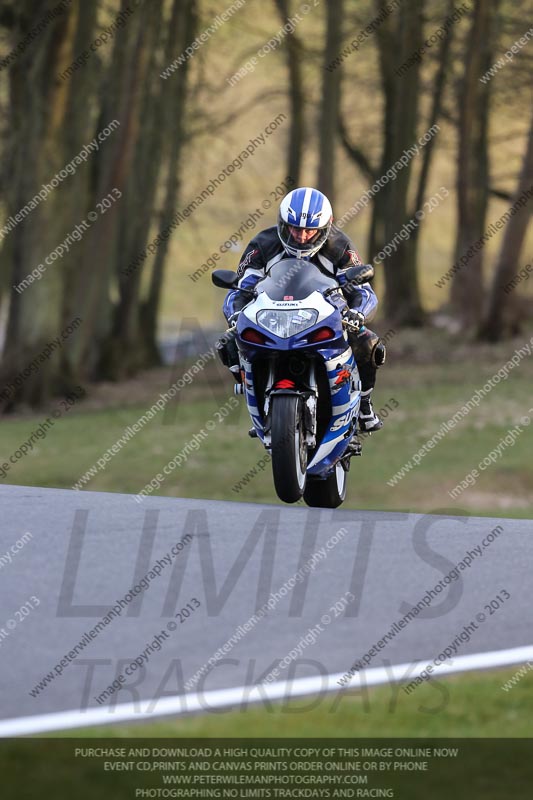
305 230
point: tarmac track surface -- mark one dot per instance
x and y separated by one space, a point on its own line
331 585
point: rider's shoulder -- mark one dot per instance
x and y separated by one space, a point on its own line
269 234
337 242
268 240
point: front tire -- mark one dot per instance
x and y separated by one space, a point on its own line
289 450
328 493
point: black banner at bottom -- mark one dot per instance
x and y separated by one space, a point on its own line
405 769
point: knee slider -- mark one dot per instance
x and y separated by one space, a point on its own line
221 348
379 354
227 351
363 344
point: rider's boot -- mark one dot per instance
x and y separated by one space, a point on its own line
236 372
368 419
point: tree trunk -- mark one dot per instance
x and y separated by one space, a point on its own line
437 93
473 162
124 95
77 193
293 49
402 296
330 102
183 30
124 351
38 148
54 112
498 319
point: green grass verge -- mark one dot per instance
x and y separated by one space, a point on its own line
421 397
464 706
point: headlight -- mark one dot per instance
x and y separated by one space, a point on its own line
287 322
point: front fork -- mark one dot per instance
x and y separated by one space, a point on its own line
309 399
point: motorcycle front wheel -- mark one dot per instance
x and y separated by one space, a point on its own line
289 450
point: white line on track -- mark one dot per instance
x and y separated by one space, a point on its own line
281 690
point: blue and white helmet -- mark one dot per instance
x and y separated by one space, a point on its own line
304 208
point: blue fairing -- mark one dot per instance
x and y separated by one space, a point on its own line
300 341
345 407
335 353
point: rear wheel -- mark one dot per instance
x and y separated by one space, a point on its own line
328 493
289 450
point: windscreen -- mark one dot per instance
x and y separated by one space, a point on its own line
294 278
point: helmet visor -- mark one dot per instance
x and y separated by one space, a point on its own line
302 235
302 241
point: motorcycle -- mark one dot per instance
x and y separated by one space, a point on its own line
299 377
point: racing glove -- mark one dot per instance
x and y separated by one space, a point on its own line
355 319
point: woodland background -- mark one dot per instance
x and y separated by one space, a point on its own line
344 127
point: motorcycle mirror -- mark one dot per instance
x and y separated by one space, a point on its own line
360 274
224 278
